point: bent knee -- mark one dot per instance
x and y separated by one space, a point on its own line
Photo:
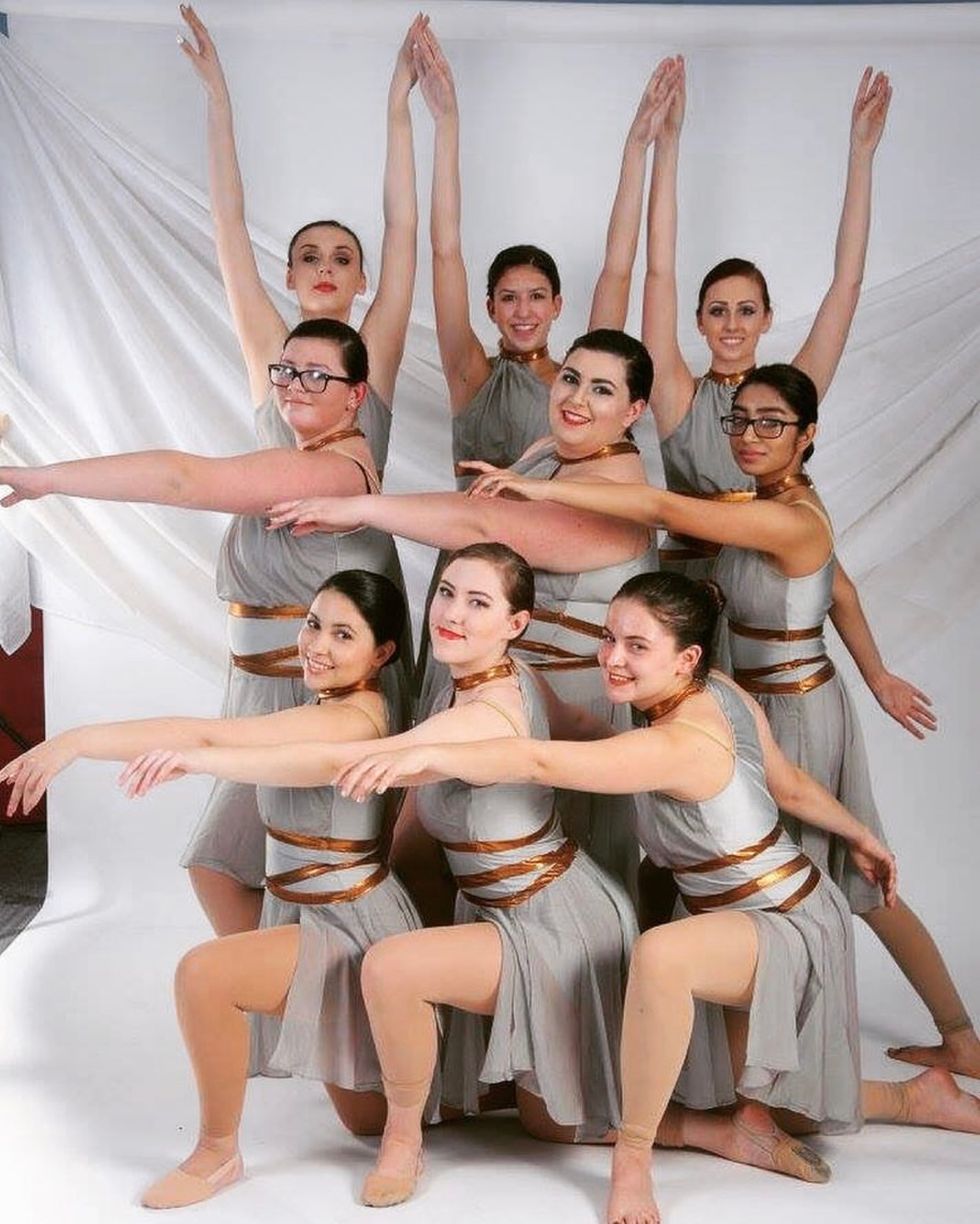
383 968
659 956
196 969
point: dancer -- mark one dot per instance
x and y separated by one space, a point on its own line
768 934
778 573
267 578
580 560
500 404
329 893
542 937
325 263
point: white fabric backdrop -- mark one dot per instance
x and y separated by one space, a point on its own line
119 337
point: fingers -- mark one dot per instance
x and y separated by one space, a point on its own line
11 499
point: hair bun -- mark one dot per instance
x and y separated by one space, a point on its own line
717 594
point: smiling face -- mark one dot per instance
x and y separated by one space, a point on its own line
325 273
590 402
768 459
336 645
524 307
731 320
470 620
639 658
312 414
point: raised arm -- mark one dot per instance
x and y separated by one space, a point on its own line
464 361
610 300
802 796
259 326
386 322
823 347
551 539
673 386
241 484
908 705
30 774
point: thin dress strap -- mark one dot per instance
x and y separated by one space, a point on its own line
817 511
684 722
382 731
501 711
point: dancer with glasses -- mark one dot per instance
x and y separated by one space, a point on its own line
748 998
777 569
325 262
266 577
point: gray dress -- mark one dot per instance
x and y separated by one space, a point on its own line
599 823
566 931
698 460
324 1032
267 570
373 417
507 415
803 1049
817 729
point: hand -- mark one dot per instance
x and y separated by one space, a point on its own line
26 482
406 74
376 772
662 101
30 774
434 75
153 768
203 55
877 864
870 111
908 705
316 514
497 482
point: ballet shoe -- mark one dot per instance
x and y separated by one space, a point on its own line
180 1189
784 1154
383 1190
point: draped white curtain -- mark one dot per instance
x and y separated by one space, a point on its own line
117 336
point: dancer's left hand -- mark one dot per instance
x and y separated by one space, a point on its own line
315 514
497 482
376 773
877 864
151 769
26 483
30 774
909 706
870 111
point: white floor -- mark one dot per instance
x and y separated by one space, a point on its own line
96 1098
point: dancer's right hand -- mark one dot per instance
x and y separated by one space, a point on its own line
203 54
26 482
151 769
30 774
435 75
662 104
877 864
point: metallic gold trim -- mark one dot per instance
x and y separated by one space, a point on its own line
308 841
520 358
736 856
623 447
499 671
348 894
273 663
278 612
560 860
731 896
547 617
729 380
495 847
774 635
748 677
794 481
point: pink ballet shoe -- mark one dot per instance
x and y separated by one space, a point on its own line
383 1190
180 1189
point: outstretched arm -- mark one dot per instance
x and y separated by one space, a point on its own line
824 345
550 539
673 388
908 705
241 484
386 322
802 796
610 301
30 774
258 325
464 362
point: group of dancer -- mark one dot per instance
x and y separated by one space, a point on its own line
424 879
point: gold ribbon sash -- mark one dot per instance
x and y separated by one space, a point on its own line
370 851
556 861
698 905
737 856
756 679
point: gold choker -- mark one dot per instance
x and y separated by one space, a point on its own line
340 435
499 671
624 447
660 708
522 358
729 380
796 480
371 685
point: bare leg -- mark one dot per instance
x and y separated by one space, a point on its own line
402 978
930 1099
216 984
710 956
231 906
363 1113
914 951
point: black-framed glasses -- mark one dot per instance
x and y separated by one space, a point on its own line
314 381
763 426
